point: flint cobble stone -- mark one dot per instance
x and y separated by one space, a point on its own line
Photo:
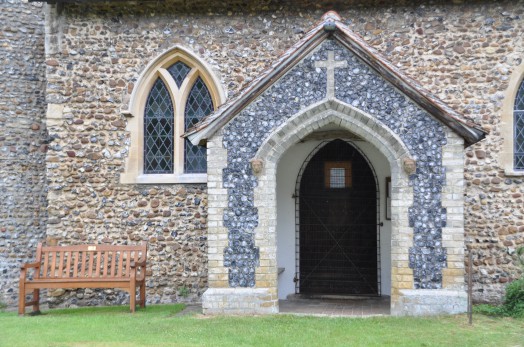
23 139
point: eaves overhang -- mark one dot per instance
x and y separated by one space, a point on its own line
331 27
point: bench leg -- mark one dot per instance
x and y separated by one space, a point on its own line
36 301
132 299
143 294
21 299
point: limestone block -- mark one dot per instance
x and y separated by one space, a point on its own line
423 302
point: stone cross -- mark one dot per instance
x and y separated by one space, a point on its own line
330 65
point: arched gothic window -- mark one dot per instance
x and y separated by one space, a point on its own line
174 93
159 129
518 126
159 125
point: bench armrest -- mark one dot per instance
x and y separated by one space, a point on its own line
140 263
31 265
25 267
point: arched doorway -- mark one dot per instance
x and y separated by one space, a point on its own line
338 245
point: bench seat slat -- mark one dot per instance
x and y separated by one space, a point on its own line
54 285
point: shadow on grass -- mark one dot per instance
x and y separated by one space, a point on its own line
164 310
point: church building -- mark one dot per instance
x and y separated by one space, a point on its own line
268 149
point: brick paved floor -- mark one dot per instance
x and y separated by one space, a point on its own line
358 307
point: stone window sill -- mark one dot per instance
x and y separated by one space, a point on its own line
513 173
164 179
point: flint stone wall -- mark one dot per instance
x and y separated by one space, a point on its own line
171 218
357 85
22 140
464 53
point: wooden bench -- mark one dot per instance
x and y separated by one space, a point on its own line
85 266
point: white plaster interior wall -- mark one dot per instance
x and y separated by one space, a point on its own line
287 172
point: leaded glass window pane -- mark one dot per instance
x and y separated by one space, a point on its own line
519 140
199 104
158 131
519 129
337 177
179 72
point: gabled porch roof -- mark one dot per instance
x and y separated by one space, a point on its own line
331 27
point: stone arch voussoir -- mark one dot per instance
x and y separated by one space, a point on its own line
333 112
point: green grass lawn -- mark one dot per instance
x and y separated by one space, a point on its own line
161 326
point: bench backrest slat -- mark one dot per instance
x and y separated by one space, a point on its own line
89 261
46 262
82 263
76 262
61 259
120 265
68 264
106 264
98 262
52 271
90 266
113 263
128 262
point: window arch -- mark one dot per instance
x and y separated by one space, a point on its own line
173 94
512 125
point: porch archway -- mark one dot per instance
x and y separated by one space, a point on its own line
314 118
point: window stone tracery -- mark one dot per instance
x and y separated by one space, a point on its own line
173 93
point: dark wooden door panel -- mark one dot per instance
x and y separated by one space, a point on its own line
338 248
